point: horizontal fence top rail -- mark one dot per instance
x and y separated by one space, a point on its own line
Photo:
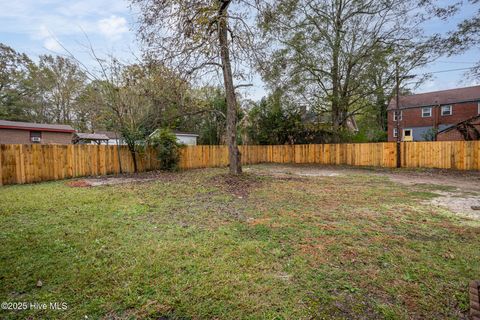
35 163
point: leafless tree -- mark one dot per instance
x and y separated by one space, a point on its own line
198 37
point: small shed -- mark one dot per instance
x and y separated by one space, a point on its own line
90 138
189 139
114 138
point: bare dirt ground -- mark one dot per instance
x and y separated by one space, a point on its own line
121 179
457 190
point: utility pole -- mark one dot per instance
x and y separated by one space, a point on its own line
397 115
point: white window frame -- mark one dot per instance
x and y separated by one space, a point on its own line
429 112
395 115
395 132
450 107
478 107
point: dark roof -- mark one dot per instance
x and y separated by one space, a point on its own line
16 125
90 136
437 98
477 117
109 134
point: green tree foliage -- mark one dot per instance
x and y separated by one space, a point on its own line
275 120
167 147
16 87
271 122
336 56
465 36
211 124
59 82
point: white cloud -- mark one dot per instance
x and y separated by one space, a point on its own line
113 27
43 32
52 44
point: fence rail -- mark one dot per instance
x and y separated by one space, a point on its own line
34 163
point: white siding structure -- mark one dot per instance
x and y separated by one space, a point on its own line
188 139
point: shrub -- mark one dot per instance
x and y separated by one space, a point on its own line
430 134
167 147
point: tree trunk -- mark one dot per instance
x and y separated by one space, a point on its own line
234 155
335 73
134 157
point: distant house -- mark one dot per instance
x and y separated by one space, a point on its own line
114 139
189 139
89 138
14 132
424 115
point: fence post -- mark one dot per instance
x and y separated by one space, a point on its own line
399 154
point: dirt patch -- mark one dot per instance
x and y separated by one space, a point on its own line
461 204
468 181
286 171
123 179
237 185
78 184
457 191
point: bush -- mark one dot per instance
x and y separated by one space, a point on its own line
430 134
167 147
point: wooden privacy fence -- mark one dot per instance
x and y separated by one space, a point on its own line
35 163
458 155
360 154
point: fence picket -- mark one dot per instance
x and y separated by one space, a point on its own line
35 163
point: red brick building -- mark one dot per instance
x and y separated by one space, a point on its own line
424 115
465 130
13 132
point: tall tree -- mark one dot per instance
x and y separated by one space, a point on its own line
60 82
16 89
324 52
197 36
123 94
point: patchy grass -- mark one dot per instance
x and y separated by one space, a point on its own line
202 245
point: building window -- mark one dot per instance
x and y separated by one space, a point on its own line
426 112
35 136
446 110
395 132
400 113
478 107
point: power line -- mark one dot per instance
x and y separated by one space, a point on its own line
450 70
459 62
443 71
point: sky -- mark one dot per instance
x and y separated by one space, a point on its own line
39 27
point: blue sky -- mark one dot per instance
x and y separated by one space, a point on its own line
37 26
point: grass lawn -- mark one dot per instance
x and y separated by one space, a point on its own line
201 245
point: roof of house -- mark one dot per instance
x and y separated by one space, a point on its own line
477 117
177 133
109 134
91 136
17 125
437 98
